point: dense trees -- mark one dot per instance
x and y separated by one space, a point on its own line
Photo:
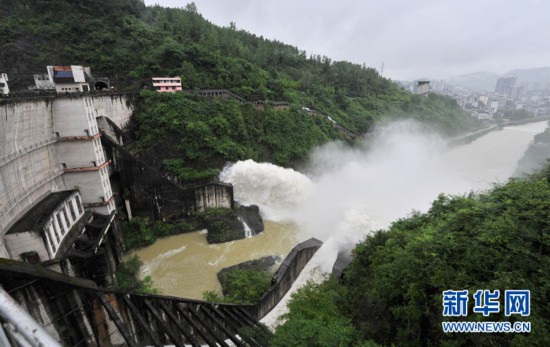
130 43
393 288
194 136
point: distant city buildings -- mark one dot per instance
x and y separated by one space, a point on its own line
515 92
167 84
4 89
510 95
503 84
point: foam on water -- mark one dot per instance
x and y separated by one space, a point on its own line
149 268
347 193
275 189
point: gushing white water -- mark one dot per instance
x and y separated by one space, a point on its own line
349 192
247 231
275 189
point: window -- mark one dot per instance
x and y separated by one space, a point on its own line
66 216
30 257
56 234
50 242
60 226
78 204
71 208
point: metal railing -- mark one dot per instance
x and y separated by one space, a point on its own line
19 328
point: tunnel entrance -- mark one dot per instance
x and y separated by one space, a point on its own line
101 85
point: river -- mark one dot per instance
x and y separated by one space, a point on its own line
344 194
186 265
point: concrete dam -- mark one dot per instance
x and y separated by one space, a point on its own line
65 180
42 140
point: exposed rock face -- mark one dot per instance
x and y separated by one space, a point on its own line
228 225
251 216
342 261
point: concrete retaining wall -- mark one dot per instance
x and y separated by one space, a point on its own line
29 167
116 107
285 276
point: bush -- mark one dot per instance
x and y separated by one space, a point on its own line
127 278
141 232
314 318
241 287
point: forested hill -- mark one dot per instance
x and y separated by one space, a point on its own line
129 43
124 39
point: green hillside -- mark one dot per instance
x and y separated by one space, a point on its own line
129 43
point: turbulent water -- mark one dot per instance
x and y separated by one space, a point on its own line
346 192
340 196
349 191
186 265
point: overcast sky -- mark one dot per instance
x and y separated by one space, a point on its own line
413 38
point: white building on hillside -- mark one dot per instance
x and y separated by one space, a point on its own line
421 87
167 84
70 79
43 82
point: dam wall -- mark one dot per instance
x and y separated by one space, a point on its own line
33 132
117 107
29 165
285 276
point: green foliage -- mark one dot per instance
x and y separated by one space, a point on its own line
106 35
212 296
246 286
392 293
496 240
140 231
241 286
259 335
200 135
314 318
127 278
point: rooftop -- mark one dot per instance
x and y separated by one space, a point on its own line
35 218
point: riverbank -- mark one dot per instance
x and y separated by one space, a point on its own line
469 137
